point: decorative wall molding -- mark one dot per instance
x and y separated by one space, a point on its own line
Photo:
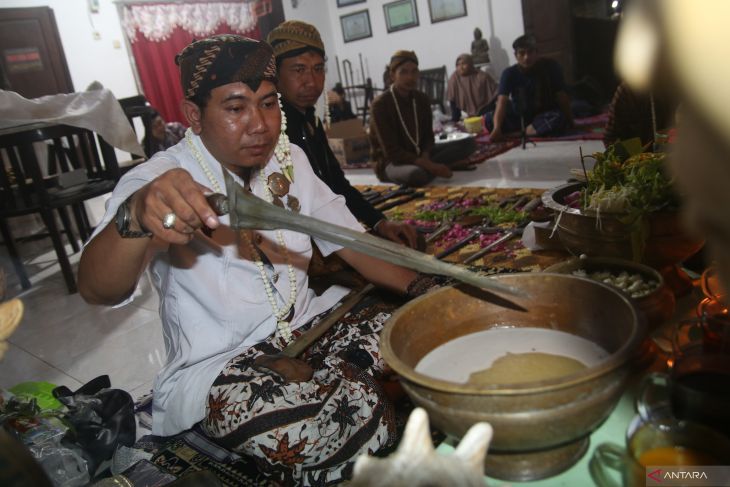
156 22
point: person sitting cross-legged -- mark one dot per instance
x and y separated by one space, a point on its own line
469 89
401 135
158 134
230 299
340 107
530 92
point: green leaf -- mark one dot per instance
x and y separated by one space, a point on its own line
631 146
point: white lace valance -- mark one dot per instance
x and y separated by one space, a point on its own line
156 22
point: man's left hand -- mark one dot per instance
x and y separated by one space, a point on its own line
400 233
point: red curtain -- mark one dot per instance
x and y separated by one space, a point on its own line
159 74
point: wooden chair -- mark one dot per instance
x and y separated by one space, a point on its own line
433 83
134 107
361 97
76 173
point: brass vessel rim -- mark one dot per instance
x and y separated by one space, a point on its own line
616 360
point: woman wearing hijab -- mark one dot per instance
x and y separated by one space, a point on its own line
470 90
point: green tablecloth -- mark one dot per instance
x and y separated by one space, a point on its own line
612 430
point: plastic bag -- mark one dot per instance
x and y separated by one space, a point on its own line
41 434
100 420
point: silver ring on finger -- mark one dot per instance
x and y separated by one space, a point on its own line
168 221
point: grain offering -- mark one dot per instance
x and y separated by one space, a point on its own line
634 284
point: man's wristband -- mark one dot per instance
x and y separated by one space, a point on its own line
424 283
123 220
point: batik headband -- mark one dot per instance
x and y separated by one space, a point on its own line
223 59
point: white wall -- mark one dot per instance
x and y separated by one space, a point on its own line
88 58
316 12
435 44
106 59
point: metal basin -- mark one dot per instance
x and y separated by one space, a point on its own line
582 232
657 306
540 428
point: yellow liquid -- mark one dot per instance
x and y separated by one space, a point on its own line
675 455
526 367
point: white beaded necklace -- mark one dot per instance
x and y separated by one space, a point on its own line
282 326
326 114
403 123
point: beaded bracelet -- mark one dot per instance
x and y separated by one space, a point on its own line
424 283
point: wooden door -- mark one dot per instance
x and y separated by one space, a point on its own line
31 55
551 22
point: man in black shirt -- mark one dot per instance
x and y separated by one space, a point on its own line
300 63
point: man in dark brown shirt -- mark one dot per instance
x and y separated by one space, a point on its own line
401 134
300 60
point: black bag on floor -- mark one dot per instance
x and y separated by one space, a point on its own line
99 418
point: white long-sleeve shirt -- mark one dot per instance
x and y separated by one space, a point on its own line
213 303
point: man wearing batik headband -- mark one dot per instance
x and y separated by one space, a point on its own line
230 301
401 135
300 58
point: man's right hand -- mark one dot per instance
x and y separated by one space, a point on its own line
289 369
440 170
176 192
399 232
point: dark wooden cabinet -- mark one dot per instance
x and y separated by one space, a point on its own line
580 35
32 60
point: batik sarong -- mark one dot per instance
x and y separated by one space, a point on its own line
309 433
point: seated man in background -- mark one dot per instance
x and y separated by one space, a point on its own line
532 89
231 300
470 90
339 106
300 55
158 135
401 135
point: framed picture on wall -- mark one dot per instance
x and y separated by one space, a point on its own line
441 10
345 3
400 15
356 26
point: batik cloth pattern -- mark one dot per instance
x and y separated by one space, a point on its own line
309 433
222 59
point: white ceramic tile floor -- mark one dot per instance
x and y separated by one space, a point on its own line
545 165
65 341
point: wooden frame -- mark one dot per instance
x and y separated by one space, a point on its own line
345 3
356 26
400 15
441 10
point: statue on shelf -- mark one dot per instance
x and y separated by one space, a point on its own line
479 48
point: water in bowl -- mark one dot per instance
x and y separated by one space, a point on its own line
537 351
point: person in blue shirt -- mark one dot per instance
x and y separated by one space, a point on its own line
533 88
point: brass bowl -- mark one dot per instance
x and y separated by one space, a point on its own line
657 307
540 428
582 232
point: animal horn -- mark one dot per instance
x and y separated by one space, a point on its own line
473 447
417 437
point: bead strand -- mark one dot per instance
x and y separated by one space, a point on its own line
283 147
327 115
283 327
403 123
